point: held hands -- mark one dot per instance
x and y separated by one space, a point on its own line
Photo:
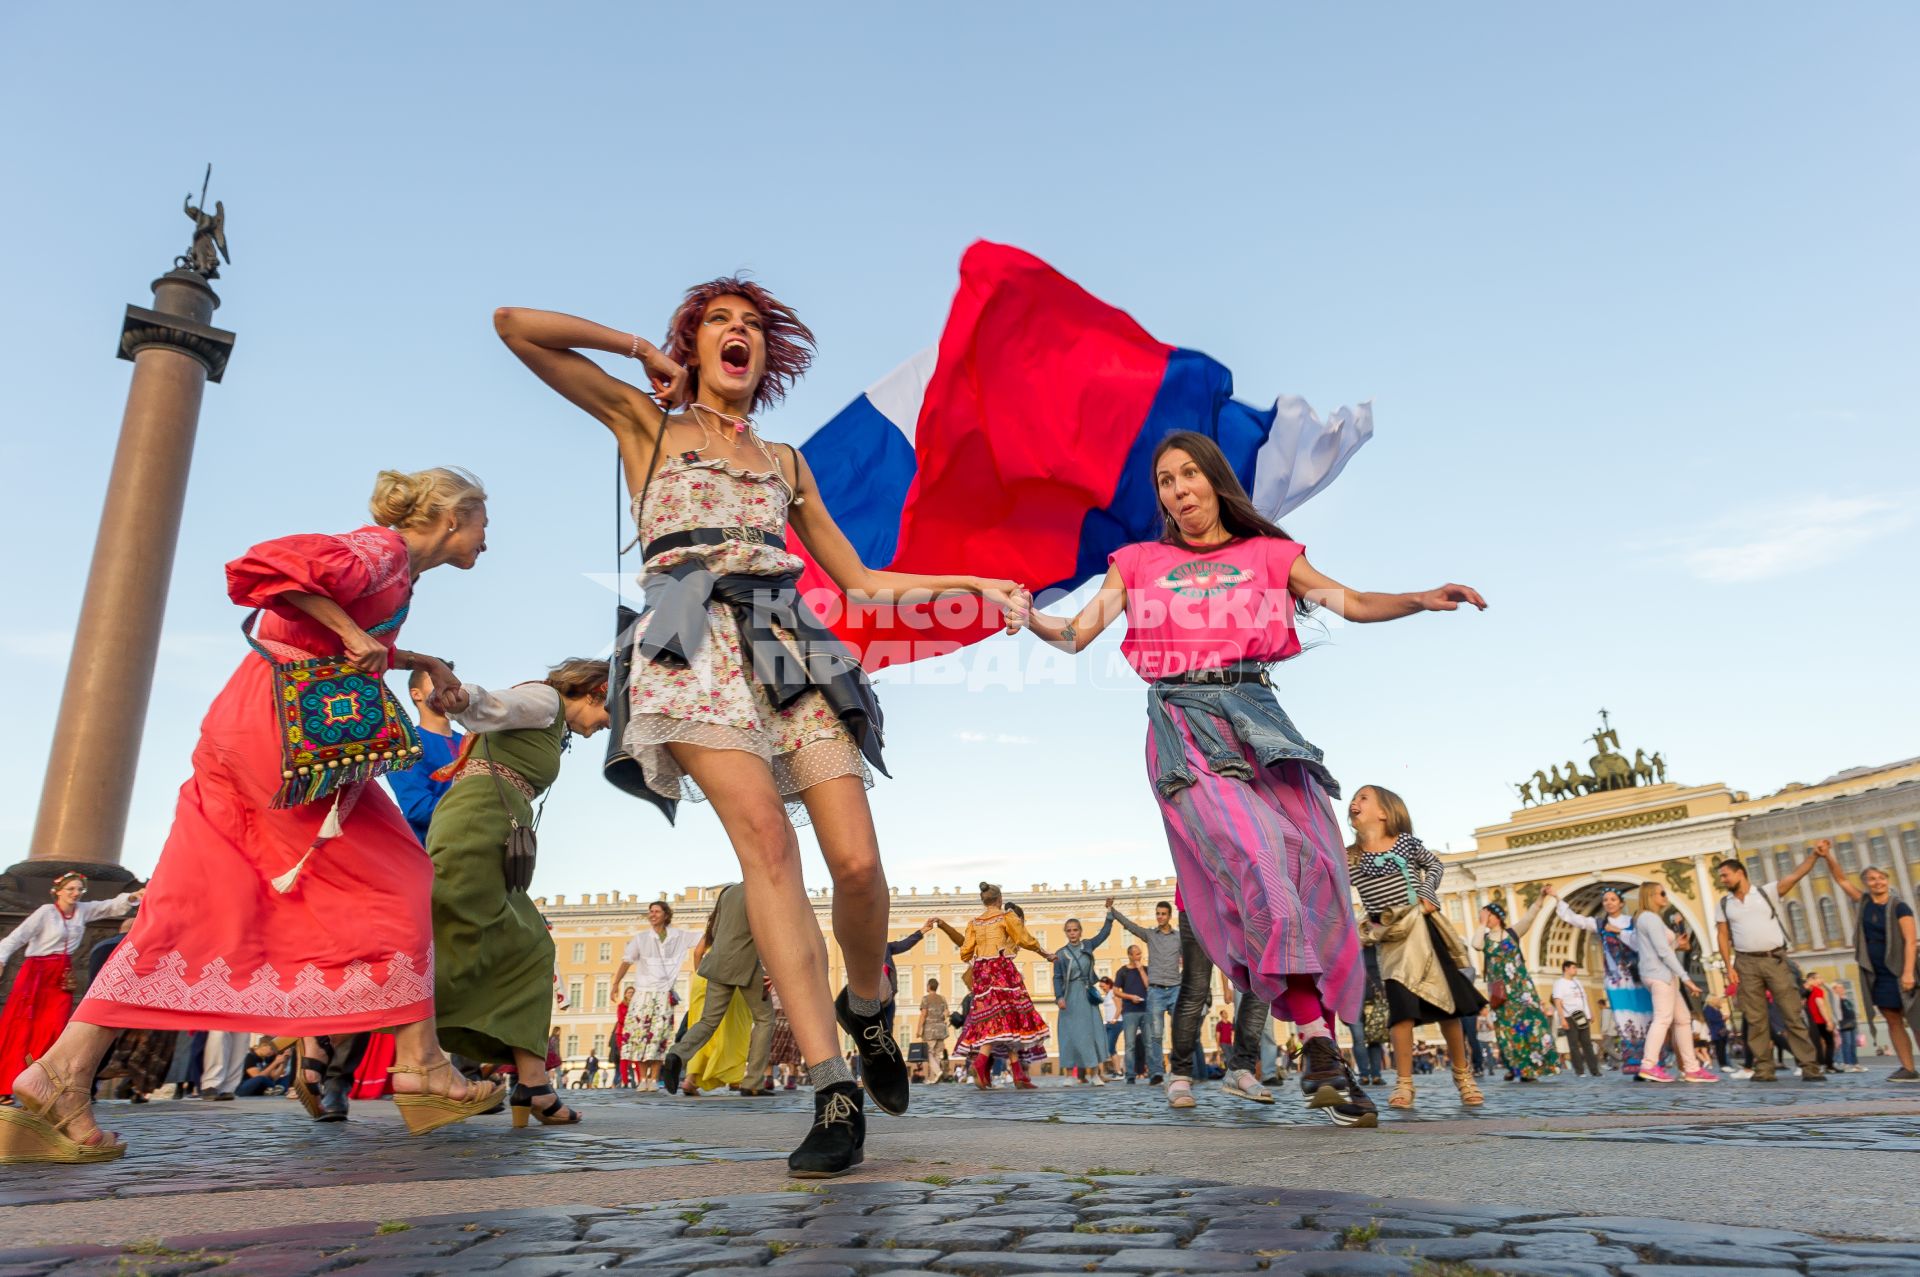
1824 849
1449 597
1012 599
1427 906
668 379
448 697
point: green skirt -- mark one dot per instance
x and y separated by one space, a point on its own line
492 954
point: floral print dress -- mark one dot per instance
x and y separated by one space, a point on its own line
714 702
1521 1027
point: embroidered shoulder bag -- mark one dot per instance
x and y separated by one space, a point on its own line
337 724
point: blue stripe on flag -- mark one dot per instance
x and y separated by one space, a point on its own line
863 465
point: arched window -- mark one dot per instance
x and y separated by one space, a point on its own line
1783 863
1830 921
1797 924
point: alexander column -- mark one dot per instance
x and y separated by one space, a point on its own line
84 799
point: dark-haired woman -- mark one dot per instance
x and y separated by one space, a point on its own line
720 708
312 918
493 981
1422 959
1245 798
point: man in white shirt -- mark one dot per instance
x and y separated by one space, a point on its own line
654 956
1574 1016
1753 944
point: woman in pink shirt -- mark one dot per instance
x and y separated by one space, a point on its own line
1244 796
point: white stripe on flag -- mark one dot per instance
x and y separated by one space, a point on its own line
898 395
1303 454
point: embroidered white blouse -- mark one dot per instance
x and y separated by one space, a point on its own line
48 932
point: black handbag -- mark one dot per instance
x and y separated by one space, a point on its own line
621 767
523 843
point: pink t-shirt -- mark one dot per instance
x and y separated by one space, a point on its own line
1200 610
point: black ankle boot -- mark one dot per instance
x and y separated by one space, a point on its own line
837 1142
883 1066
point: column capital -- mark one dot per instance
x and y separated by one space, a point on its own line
143 328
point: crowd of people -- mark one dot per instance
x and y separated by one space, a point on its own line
295 899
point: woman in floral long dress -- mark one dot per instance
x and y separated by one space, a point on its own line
1520 1025
1628 997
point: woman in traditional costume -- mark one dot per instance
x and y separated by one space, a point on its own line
1627 994
1521 1025
738 693
493 979
41 1000
268 914
1001 1020
1245 798
1422 961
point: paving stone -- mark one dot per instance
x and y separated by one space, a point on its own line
861 1259
1881 1250
980 1236
994 1263
1179 1261
694 1255
1588 1250
1260 1241
1385 1224
1351 1263
1546 1268
929 1212
1835 1266
1096 1243
1703 1270
826 1233
1638 1228
1027 1221
1484 1246
1143 1224
792 1270
1707 1253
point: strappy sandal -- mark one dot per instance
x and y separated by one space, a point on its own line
33 1132
304 1091
1469 1089
522 1104
426 1111
1402 1097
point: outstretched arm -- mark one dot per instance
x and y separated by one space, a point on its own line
839 560
1102 610
1572 919
1804 868
1310 583
1824 850
550 343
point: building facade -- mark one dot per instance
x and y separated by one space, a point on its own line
590 931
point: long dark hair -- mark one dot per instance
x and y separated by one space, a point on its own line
1237 513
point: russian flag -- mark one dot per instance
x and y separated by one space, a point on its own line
1018 449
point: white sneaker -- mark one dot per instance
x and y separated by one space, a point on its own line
1740 1074
1098 1080
1243 1083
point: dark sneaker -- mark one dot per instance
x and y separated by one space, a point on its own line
837 1142
671 1066
1903 1075
1354 1110
1765 1077
1814 1074
333 1099
883 1068
1323 1073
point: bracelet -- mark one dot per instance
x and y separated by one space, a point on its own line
633 351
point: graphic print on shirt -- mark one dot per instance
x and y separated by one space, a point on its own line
1203 579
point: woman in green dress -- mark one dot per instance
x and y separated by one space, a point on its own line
493 956
1520 1025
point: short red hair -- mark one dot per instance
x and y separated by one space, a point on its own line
790 343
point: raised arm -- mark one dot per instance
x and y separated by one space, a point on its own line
839 560
1572 919
1102 610
1824 850
550 343
1524 923
944 925
1099 937
1115 915
1310 583
1800 871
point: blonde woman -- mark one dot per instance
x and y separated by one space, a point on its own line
1665 976
1421 958
309 919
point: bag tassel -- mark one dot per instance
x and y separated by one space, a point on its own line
329 828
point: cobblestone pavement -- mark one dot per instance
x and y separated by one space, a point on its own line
1889 1134
1002 1225
204 1148
1563 1096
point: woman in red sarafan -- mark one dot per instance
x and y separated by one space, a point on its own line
311 919
41 999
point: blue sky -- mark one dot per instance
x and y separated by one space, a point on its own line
1632 290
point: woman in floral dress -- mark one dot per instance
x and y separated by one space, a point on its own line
1520 1025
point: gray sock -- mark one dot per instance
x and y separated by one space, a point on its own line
828 1072
869 1006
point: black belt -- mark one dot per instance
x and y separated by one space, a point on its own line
1240 672
712 536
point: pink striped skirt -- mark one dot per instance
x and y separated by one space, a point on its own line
1263 877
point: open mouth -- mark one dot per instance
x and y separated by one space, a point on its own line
735 356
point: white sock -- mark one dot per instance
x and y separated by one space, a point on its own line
1314 1028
